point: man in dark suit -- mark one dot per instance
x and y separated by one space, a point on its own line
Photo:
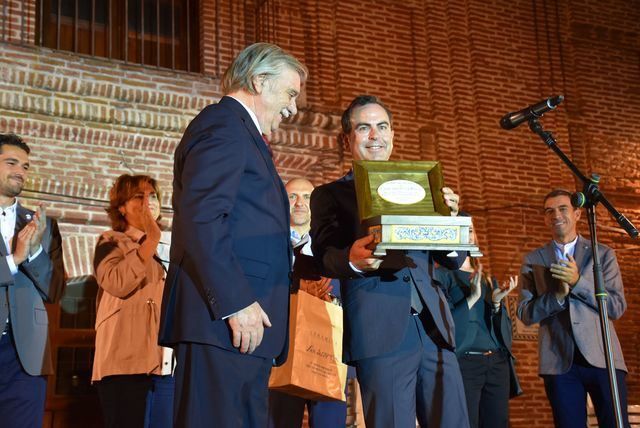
230 253
31 273
398 327
558 293
285 410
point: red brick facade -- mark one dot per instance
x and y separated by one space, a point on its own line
448 70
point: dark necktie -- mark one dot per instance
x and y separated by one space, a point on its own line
266 141
416 301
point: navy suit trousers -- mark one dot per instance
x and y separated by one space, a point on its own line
287 411
417 379
217 388
22 396
567 394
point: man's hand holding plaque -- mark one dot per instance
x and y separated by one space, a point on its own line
361 255
451 200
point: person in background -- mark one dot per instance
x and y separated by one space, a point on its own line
31 274
483 339
557 291
132 373
287 411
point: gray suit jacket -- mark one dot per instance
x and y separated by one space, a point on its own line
577 321
22 295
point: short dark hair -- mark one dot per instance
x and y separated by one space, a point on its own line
13 140
556 192
361 101
122 190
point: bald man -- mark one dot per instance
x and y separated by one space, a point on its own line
287 411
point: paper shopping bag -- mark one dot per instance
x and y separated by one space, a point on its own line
314 368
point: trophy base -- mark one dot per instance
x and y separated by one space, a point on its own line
411 232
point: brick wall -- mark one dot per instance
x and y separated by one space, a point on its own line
448 70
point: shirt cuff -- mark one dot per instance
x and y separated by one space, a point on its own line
12 264
230 315
36 254
355 269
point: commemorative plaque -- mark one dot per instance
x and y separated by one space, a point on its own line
402 205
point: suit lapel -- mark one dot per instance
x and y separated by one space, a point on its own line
256 137
250 126
582 253
548 254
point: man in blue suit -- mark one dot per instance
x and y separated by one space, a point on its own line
31 273
558 293
398 328
225 305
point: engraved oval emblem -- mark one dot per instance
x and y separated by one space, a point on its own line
402 192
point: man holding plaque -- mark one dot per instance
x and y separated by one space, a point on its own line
398 327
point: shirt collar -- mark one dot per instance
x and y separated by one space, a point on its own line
564 249
297 239
251 113
11 210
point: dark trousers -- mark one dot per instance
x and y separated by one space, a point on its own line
136 401
416 379
486 386
159 409
22 396
219 388
567 394
287 411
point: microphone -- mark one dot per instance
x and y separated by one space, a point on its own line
513 119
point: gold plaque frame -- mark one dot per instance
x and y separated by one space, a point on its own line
370 175
406 221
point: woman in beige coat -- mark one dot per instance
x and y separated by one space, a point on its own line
132 373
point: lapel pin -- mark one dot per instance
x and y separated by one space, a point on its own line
28 216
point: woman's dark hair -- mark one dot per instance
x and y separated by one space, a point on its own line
125 187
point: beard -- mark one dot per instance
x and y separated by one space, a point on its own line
11 190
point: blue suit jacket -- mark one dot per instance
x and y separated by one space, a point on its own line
36 282
376 304
561 327
230 243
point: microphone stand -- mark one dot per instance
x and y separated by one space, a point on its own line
589 198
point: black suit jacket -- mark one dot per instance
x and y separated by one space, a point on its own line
230 244
376 304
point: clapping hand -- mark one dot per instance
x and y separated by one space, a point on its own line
24 237
501 292
40 223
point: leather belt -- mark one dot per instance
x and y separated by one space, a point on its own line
484 353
